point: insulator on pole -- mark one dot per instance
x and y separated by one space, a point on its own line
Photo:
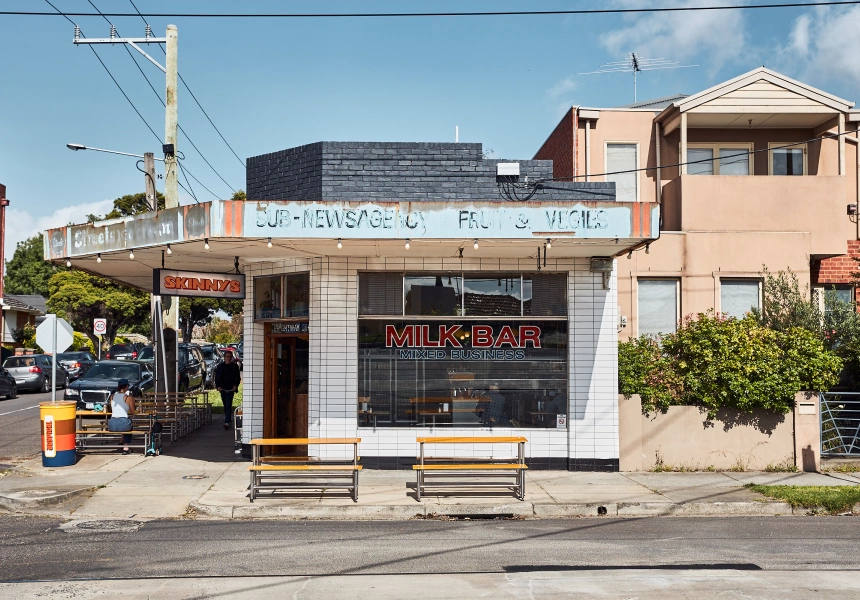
113 31
148 31
77 32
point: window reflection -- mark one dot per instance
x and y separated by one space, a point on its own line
433 295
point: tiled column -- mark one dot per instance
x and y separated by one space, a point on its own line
593 348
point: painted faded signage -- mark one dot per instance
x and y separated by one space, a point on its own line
148 229
436 220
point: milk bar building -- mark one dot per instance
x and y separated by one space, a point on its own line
394 290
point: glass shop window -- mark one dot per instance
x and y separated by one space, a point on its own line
433 295
493 295
463 373
298 292
267 297
380 293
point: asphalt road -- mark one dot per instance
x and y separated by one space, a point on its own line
33 548
19 424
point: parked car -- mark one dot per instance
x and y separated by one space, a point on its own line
192 366
76 364
213 357
8 387
33 372
98 383
122 352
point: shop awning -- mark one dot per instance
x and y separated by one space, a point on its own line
259 231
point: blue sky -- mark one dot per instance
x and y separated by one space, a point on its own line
277 83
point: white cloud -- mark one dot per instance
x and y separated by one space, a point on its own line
561 95
712 38
22 224
824 46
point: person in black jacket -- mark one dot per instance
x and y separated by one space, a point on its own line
227 379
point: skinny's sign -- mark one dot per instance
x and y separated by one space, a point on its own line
230 286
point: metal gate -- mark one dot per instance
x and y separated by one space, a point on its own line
840 424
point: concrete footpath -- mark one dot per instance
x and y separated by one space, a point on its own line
200 478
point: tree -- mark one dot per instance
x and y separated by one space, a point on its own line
80 297
200 311
239 195
28 272
715 362
128 205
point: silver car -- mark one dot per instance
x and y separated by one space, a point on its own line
33 372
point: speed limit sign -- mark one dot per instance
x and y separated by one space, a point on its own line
99 326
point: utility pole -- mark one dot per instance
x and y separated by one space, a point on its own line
171 181
149 177
165 309
170 304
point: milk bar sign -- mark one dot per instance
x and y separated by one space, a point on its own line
194 284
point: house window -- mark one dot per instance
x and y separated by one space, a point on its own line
719 159
622 159
787 161
841 293
658 306
739 296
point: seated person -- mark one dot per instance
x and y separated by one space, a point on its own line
558 404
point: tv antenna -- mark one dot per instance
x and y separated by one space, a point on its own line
635 63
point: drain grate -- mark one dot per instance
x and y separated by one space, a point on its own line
195 477
102 526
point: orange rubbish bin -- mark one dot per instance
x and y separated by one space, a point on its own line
58 433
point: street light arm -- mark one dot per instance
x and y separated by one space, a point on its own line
82 147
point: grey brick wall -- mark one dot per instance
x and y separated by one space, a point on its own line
395 171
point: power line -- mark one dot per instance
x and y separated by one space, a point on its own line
507 13
157 95
187 87
217 197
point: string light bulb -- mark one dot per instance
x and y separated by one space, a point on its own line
647 248
131 255
169 251
407 244
269 243
548 244
206 243
99 257
68 262
630 255
339 244
475 245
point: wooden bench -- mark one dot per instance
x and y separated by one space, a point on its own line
303 472
448 472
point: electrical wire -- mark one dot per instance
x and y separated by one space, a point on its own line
217 197
506 13
181 168
187 87
120 89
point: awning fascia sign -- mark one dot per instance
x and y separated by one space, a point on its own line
448 220
195 284
379 220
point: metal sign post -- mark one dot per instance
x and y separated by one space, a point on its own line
54 336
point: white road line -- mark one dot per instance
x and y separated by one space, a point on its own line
19 410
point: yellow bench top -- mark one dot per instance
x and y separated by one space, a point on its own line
302 441
304 468
461 467
470 440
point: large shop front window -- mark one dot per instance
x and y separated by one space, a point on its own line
449 367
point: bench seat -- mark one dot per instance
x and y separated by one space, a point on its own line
473 467
304 468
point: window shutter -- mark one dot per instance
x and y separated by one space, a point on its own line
549 295
380 294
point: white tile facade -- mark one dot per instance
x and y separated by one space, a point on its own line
593 366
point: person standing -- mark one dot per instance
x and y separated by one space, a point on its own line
121 409
227 379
